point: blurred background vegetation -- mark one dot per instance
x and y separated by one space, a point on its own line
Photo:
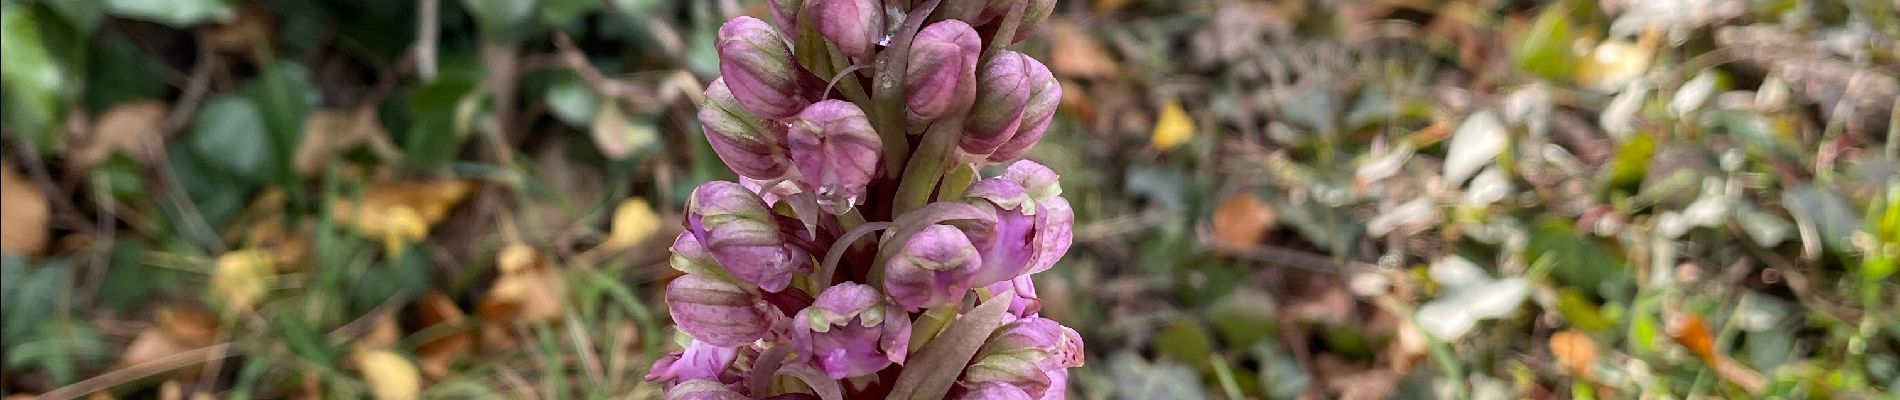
1276 198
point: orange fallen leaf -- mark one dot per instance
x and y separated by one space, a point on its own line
437 354
1241 220
23 220
1689 331
1575 352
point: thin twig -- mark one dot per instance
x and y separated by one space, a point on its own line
427 15
143 370
180 114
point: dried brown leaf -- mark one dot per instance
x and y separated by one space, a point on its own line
129 127
1077 54
528 290
1241 220
401 212
327 132
23 221
437 354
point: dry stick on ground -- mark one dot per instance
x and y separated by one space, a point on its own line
142 370
1797 281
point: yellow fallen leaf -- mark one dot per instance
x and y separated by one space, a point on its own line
527 290
390 376
634 222
128 127
400 213
23 220
1174 127
241 278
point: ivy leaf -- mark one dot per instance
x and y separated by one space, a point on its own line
31 78
228 132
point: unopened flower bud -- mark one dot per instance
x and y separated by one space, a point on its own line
842 333
702 389
941 75
1021 293
1002 91
1032 231
743 235
757 65
716 311
785 15
853 25
836 151
689 256
1025 353
748 144
700 360
995 391
1040 182
934 268
1045 93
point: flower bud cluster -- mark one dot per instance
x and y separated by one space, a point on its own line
786 292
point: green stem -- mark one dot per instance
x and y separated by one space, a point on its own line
927 166
888 93
957 180
932 322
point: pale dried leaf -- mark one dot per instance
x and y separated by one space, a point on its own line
617 136
1477 143
527 291
1450 317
